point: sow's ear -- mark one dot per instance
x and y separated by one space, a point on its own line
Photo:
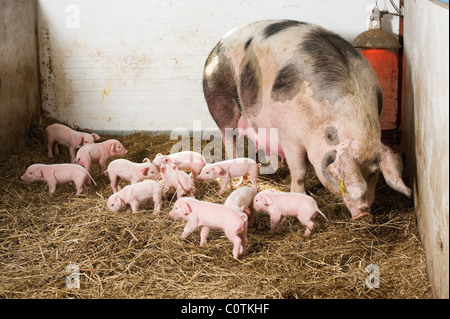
392 168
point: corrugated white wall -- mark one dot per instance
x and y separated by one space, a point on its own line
137 65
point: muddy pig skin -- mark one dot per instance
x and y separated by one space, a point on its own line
131 195
241 200
281 205
58 174
209 215
227 170
61 134
99 153
318 92
184 160
133 172
174 178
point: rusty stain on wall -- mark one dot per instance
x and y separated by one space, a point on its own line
106 90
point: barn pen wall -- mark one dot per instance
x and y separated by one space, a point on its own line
425 126
138 66
19 86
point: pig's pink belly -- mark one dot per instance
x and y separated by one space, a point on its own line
265 137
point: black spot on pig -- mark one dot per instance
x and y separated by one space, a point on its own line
331 56
247 44
220 89
380 101
277 27
216 51
250 82
286 84
331 135
327 160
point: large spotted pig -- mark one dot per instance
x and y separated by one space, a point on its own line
321 95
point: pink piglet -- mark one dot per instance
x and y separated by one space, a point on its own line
190 160
133 172
131 195
58 174
241 200
174 178
61 134
281 205
227 170
210 215
99 153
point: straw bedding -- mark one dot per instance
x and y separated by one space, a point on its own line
141 255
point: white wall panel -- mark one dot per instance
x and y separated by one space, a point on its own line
426 131
137 65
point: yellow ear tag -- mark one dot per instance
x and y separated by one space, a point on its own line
343 189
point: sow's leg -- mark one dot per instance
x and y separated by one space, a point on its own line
298 164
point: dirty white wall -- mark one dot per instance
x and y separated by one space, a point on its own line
425 126
19 88
137 65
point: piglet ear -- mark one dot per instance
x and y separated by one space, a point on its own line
162 168
39 172
146 160
159 154
120 201
145 171
245 209
82 141
218 169
267 201
185 208
95 136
